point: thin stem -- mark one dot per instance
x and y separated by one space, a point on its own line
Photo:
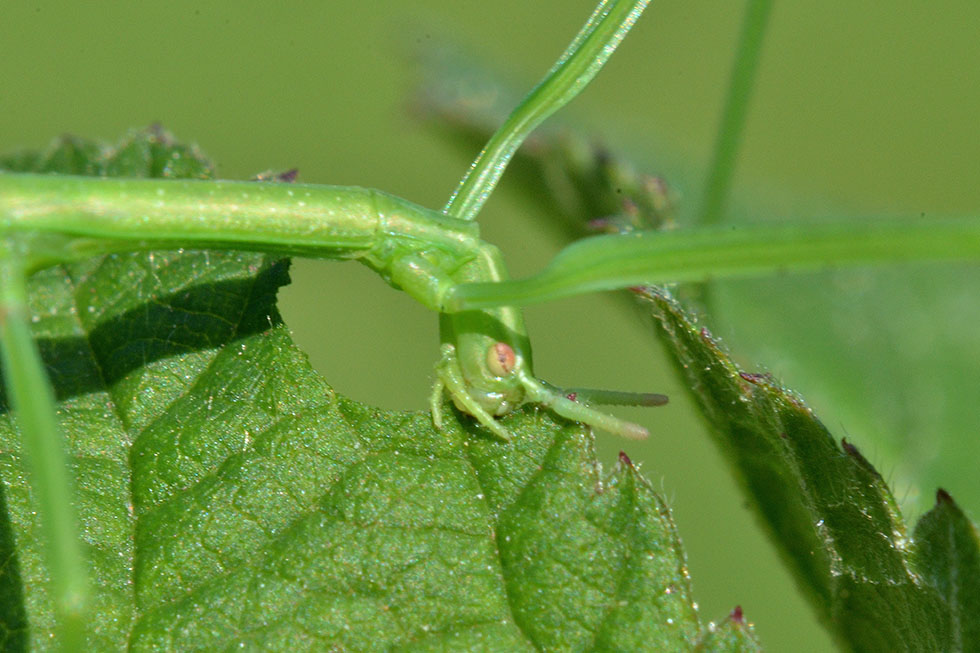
610 262
732 123
581 61
52 485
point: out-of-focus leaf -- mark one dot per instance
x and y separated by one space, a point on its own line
229 498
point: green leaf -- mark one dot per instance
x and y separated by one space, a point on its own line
947 551
907 386
229 498
877 588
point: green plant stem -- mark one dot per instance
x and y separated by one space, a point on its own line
33 403
581 61
651 257
732 123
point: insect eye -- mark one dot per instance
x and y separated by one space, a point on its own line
501 359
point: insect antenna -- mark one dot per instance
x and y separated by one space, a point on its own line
616 397
569 404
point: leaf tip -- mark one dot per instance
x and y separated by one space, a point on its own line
856 455
944 498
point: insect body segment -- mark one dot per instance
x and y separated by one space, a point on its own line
483 351
486 367
485 363
488 397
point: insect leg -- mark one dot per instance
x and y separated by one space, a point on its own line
616 397
435 397
450 376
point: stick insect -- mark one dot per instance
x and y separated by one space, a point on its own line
435 256
485 363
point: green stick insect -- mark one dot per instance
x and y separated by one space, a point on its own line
436 257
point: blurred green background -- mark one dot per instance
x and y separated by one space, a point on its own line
868 108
